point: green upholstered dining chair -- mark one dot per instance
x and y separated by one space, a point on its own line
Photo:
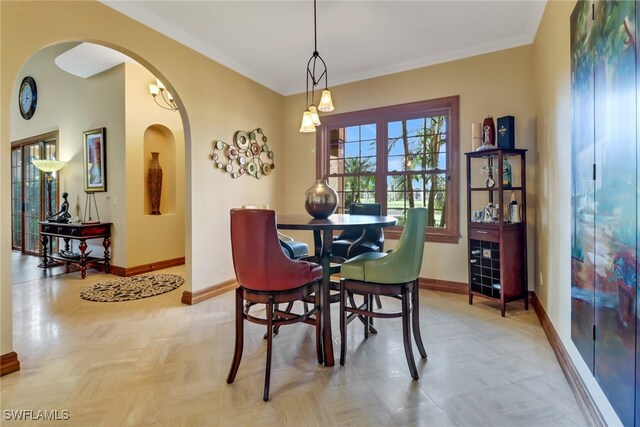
394 274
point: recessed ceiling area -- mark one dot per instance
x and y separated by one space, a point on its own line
88 59
271 41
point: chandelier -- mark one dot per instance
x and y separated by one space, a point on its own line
316 71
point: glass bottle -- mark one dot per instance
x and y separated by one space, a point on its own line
506 174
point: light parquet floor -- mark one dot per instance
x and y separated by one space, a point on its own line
158 362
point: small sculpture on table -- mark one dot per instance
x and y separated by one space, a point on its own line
63 215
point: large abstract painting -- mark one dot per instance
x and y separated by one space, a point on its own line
605 196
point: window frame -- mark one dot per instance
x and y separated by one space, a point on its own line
381 117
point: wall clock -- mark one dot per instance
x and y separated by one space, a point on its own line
27 97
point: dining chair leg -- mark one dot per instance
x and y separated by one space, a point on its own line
352 301
379 305
276 329
318 328
367 306
406 332
267 372
378 302
343 323
237 353
415 319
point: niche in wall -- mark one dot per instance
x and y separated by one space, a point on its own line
159 139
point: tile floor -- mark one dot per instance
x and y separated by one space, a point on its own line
158 362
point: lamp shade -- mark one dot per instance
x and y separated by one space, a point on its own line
326 104
314 115
154 89
48 166
307 125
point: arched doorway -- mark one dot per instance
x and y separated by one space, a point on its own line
118 100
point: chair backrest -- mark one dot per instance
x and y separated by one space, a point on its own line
404 262
365 209
285 241
372 234
258 260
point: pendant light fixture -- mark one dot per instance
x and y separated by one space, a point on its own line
316 71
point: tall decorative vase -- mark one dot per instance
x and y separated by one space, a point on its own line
321 200
154 180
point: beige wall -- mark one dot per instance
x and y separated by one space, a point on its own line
497 84
152 238
553 108
214 103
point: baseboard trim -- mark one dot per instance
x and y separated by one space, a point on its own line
583 397
443 285
191 298
145 268
9 363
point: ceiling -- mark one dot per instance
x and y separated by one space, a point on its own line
87 59
271 41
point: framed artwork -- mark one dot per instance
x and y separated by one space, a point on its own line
95 160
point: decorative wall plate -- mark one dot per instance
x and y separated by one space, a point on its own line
248 154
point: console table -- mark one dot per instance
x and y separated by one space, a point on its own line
81 232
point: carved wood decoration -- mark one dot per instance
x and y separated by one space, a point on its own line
249 154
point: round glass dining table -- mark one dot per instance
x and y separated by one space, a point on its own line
323 238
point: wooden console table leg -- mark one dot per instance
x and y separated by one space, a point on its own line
106 242
83 258
44 239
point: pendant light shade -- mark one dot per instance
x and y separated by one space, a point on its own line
307 125
316 72
326 104
314 115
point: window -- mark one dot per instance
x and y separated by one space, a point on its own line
401 156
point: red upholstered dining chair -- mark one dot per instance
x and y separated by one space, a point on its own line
293 249
267 276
